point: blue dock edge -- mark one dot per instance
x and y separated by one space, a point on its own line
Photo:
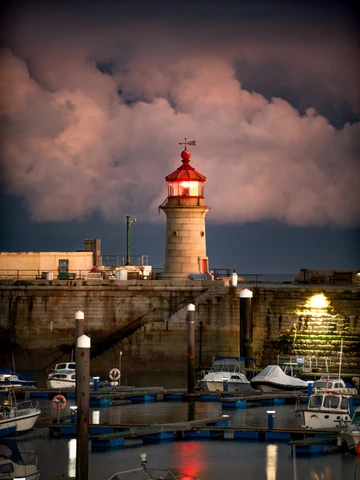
158 437
209 398
273 401
207 433
317 444
142 399
248 435
107 443
173 396
234 404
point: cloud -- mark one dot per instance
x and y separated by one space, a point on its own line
90 123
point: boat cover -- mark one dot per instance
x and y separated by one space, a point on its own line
274 374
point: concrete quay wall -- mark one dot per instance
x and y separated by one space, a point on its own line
147 320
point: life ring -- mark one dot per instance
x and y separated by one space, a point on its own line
114 374
59 402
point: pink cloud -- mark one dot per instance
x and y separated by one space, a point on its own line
73 146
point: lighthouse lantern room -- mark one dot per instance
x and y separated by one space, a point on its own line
185 211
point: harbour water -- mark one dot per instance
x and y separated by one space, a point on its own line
207 459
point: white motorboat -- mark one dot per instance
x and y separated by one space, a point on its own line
15 464
225 374
351 433
63 376
325 410
333 383
272 379
9 378
18 417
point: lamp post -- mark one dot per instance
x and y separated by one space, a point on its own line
129 221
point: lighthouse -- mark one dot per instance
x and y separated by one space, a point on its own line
185 211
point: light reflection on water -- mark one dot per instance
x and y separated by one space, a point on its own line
207 459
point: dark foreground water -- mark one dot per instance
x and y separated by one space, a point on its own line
206 459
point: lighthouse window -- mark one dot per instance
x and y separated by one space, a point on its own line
184 189
202 234
173 189
175 233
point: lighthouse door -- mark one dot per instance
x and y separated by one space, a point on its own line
204 265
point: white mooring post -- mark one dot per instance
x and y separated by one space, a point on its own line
191 348
82 425
245 323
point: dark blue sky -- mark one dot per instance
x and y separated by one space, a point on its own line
96 96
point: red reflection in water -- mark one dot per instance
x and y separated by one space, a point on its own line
191 458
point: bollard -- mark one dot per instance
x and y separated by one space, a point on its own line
271 417
73 417
310 388
96 383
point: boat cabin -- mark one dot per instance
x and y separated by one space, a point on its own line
328 402
65 366
333 384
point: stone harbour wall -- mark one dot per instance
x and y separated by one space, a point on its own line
147 321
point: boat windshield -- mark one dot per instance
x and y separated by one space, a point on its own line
356 418
228 365
315 401
331 401
328 385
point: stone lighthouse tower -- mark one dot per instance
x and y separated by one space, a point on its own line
185 211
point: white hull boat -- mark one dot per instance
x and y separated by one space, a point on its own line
15 464
18 417
9 378
351 433
225 381
61 380
335 384
325 410
63 376
272 379
226 374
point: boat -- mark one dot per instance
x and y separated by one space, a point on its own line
272 379
351 433
145 473
17 416
225 374
63 376
15 464
333 383
10 378
325 410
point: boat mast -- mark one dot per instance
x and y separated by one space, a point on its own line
341 349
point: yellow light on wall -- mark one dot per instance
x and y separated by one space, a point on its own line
318 302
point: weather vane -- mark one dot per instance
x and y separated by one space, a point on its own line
192 142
